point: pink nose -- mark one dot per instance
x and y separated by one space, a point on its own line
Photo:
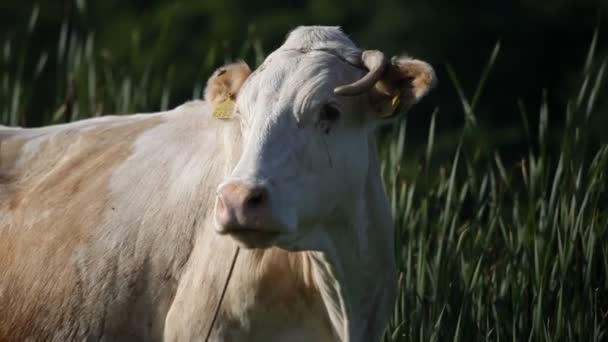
240 206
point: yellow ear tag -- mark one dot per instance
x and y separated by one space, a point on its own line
392 107
224 109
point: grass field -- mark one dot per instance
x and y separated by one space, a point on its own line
489 251
486 250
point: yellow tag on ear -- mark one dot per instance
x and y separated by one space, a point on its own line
391 107
224 109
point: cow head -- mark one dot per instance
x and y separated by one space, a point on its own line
307 115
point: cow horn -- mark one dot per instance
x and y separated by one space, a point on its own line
376 63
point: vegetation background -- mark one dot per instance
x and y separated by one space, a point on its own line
497 179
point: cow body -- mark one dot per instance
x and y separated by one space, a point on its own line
93 232
106 234
124 228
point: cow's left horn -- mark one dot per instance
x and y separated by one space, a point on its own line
376 63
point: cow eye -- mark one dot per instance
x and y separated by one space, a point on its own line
329 114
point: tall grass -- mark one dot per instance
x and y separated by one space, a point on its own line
505 253
486 250
87 81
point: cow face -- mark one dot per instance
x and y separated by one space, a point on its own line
307 114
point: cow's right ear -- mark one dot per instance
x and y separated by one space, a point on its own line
225 83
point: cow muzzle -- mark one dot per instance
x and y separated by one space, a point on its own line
244 212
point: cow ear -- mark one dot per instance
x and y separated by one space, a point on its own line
226 82
403 84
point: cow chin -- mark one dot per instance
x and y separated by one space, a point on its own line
253 233
254 239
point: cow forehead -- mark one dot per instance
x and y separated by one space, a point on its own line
296 81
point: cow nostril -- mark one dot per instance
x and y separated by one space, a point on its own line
220 202
255 199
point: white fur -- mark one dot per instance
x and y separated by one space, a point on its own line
153 267
319 183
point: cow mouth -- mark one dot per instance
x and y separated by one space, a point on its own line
250 238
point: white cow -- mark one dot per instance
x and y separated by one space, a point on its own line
124 228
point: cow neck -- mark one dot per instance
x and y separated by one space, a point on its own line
355 272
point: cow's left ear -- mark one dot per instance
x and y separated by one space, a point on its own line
403 84
225 83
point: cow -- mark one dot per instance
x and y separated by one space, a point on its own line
123 228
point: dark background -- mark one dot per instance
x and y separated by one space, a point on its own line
543 46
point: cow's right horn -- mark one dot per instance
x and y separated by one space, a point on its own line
376 63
